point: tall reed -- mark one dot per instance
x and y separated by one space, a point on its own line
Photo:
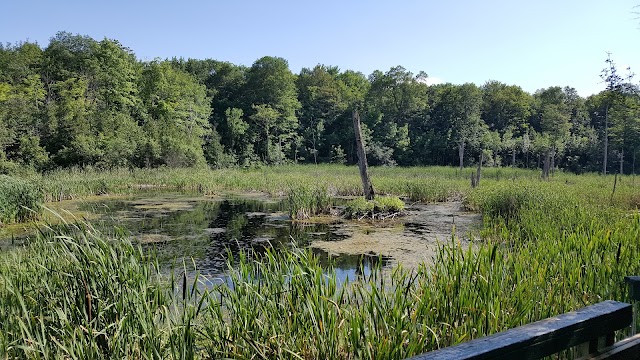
71 293
20 200
546 248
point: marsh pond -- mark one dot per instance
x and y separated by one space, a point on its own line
205 231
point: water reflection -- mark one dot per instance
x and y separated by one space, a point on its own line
209 231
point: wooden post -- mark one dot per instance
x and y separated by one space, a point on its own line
546 164
362 158
634 294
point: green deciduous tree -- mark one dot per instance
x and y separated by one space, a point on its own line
617 88
265 118
22 107
178 114
271 90
456 111
625 127
505 107
552 121
322 96
396 102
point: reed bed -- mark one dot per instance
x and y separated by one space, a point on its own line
416 184
20 200
305 202
74 294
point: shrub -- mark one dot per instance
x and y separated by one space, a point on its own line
389 204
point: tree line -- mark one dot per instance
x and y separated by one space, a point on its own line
81 102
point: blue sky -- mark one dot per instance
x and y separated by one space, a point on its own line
534 44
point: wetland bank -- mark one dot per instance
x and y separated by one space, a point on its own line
542 248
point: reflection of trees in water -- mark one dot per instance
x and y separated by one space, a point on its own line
360 265
248 226
236 226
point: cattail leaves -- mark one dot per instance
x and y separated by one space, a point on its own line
546 248
20 200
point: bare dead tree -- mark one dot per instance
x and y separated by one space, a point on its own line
367 187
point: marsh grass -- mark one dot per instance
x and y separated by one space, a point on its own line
71 293
306 202
417 184
20 200
547 248
380 207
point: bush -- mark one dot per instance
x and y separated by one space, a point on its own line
19 200
389 204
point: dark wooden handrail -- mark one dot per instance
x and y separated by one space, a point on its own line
546 337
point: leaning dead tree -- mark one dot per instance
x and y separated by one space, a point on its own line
362 158
475 178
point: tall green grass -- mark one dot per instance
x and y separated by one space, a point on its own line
547 248
20 200
73 294
417 184
305 202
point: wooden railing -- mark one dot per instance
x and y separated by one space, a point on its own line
589 330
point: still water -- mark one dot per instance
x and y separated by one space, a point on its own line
205 231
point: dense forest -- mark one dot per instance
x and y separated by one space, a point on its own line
81 102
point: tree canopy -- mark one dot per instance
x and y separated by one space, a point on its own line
83 102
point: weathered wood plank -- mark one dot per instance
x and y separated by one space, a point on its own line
626 349
542 338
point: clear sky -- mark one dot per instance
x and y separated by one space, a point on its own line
534 44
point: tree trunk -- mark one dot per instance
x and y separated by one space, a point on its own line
621 161
267 157
369 194
479 170
315 151
546 164
513 157
553 163
606 140
461 153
